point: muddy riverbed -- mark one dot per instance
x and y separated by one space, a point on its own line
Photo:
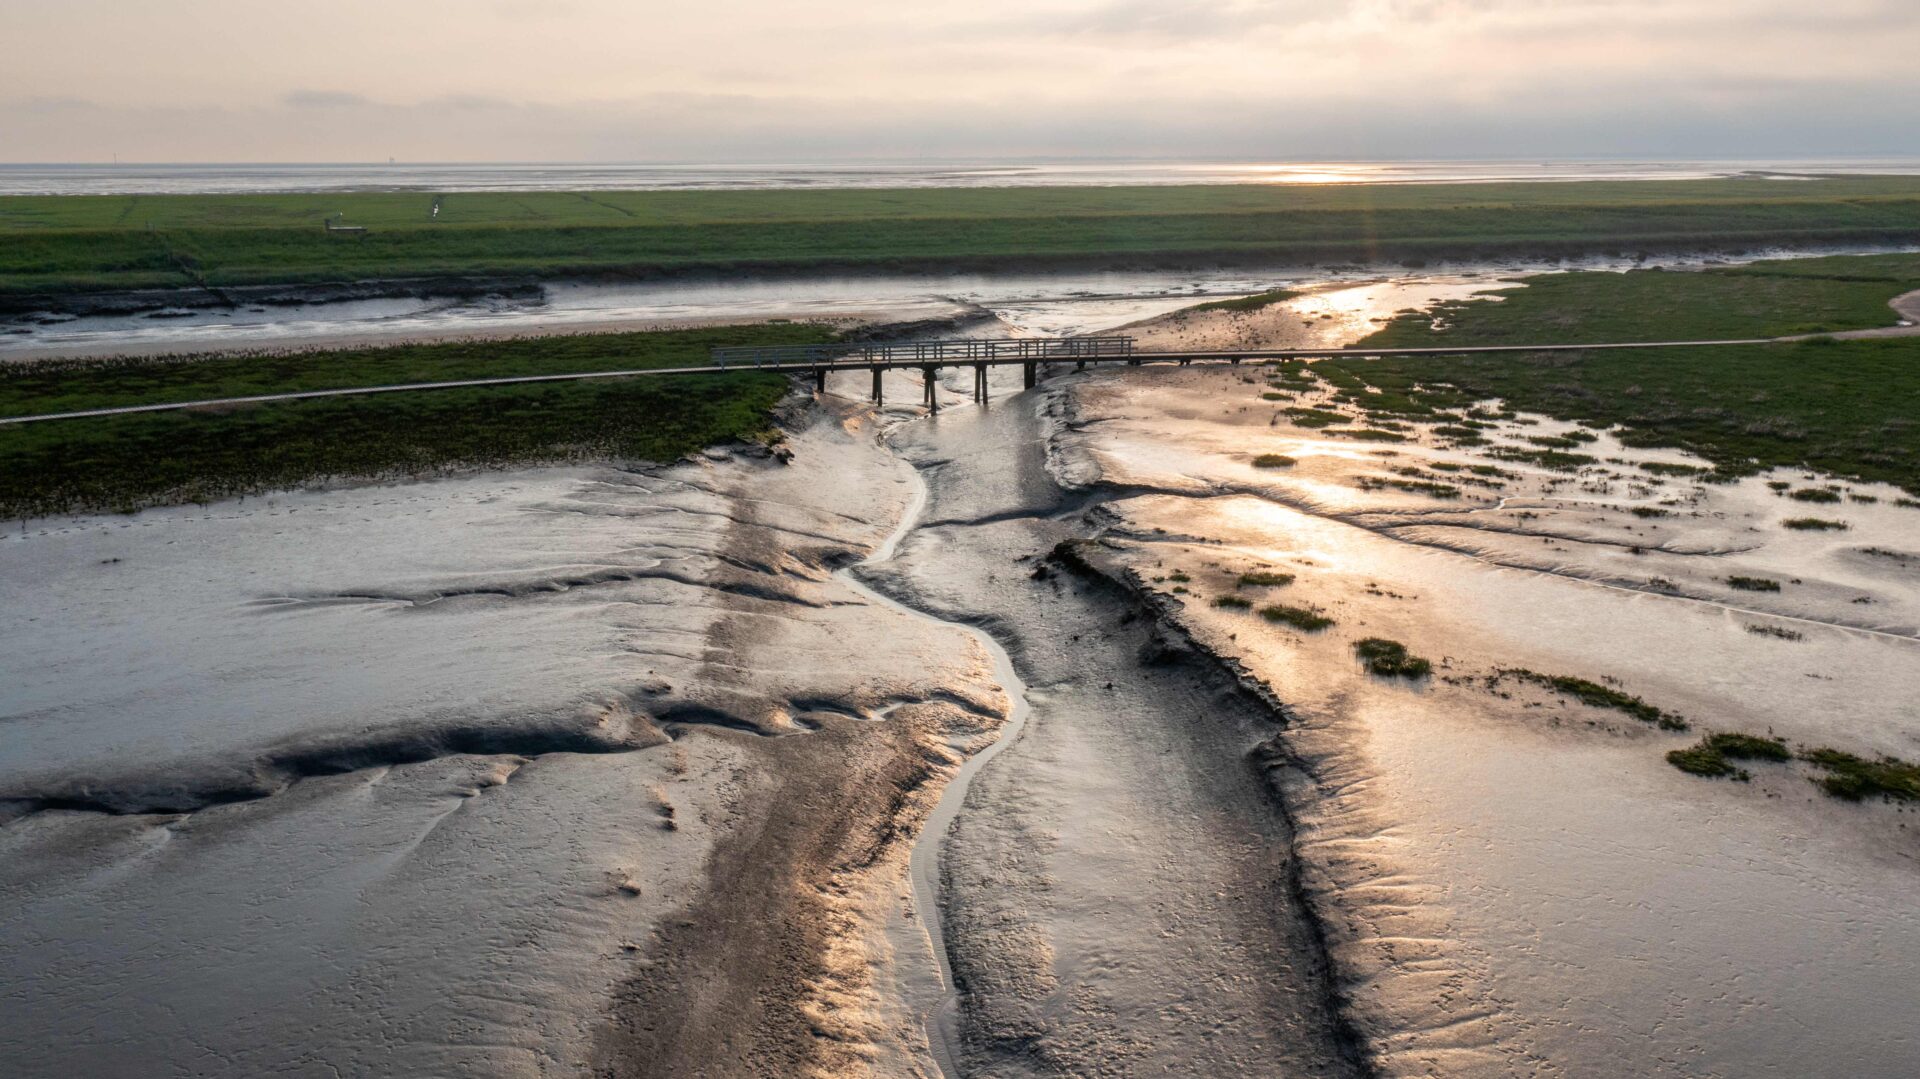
1032 303
629 772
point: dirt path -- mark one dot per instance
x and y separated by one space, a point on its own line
1907 306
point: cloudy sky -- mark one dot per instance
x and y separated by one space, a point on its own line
804 80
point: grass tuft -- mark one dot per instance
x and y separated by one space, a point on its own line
1309 619
1595 695
1391 658
1853 778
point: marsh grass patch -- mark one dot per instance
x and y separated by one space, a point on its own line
1308 619
1595 695
1390 658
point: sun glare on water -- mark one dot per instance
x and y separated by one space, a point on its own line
1312 174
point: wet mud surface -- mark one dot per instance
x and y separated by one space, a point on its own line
628 772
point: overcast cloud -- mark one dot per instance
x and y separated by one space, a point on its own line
760 80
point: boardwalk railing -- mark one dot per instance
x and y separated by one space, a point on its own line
936 353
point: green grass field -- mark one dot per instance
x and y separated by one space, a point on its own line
57 245
128 462
1851 408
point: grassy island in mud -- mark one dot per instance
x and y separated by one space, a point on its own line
121 463
56 247
1845 407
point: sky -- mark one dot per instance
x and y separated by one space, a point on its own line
828 80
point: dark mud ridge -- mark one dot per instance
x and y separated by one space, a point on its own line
646 716
136 301
1170 648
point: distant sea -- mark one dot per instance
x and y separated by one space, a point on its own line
76 179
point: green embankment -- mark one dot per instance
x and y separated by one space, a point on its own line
1847 407
68 244
128 462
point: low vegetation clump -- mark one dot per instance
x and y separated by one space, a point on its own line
1317 417
1815 494
1309 619
1256 302
1275 395
1814 524
1596 695
1780 632
1662 468
1391 658
1847 775
1753 584
1853 777
1650 512
1265 579
1713 755
1370 434
1273 460
1236 603
1558 442
1421 487
1701 761
1552 460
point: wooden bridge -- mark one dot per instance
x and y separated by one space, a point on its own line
929 357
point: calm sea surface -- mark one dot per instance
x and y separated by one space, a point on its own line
57 179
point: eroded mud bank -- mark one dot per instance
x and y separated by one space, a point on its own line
537 773
1121 895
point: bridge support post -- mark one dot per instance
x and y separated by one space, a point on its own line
876 385
1235 361
819 380
980 382
1029 373
933 395
1079 365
